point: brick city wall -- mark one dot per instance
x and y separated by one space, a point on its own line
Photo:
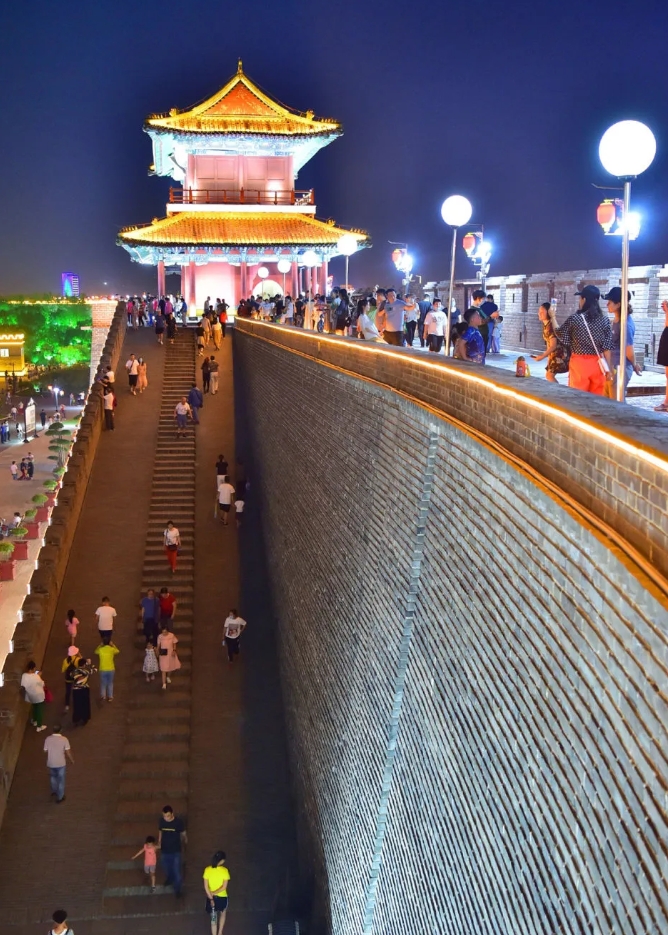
32 633
519 298
474 669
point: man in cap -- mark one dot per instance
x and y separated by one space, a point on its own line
614 300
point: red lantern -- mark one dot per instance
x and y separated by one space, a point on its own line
469 243
396 256
606 214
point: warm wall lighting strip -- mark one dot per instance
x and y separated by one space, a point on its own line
550 488
550 409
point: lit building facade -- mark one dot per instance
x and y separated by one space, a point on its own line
236 213
70 286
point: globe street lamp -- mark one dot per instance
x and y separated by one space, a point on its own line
626 149
347 245
310 259
455 211
284 266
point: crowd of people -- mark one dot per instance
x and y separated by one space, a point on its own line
84 672
586 346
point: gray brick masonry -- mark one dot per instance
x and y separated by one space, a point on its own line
473 662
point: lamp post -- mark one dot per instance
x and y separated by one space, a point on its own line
455 211
284 266
56 393
310 259
347 245
626 149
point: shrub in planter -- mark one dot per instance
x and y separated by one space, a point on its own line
6 550
7 563
50 485
32 524
21 545
41 502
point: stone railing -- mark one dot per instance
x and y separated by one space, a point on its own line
32 632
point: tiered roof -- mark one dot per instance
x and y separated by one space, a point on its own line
230 229
241 108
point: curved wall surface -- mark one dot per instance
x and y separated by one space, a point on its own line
473 661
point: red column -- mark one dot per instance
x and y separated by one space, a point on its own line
295 280
307 273
323 276
192 300
161 277
184 282
243 269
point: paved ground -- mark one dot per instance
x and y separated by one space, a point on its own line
649 379
238 797
16 496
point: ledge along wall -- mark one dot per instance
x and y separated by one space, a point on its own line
32 633
469 579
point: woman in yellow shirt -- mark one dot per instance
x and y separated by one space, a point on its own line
216 879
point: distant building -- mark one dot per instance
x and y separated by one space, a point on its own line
70 286
12 362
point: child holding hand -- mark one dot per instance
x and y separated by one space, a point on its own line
150 858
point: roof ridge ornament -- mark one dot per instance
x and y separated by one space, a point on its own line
240 67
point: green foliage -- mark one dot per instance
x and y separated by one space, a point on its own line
54 331
59 471
30 514
50 484
40 499
20 532
6 548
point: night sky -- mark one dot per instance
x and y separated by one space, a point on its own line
504 103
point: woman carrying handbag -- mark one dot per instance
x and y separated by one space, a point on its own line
168 660
588 335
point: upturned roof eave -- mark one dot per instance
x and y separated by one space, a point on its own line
161 130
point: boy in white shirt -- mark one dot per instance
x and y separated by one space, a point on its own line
435 324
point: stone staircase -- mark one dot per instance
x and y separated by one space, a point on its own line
155 765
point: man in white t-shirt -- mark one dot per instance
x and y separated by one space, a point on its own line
57 748
105 620
234 627
435 324
181 413
225 495
132 367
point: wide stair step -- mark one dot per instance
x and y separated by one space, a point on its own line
156 752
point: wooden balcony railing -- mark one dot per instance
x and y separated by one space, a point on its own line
243 196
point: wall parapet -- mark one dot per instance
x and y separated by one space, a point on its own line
612 460
472 652
32 632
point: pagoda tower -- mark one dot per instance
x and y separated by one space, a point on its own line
236 212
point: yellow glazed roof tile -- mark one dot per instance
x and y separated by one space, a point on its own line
228 228
241 107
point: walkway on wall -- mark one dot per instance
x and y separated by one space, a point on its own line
212 744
